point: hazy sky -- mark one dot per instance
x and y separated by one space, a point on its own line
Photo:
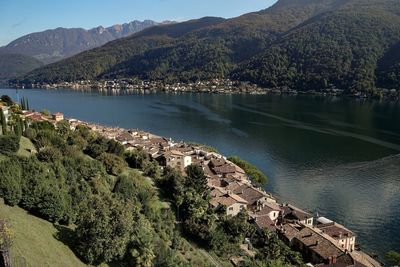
20 17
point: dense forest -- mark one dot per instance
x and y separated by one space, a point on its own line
120 207
300 44
14 65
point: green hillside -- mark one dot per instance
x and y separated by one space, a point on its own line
13 65
301 44
340 48
204 48
35 242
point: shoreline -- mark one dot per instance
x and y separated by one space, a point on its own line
216 86
115 132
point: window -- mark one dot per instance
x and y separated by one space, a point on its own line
230 208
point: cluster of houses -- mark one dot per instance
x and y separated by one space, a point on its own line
39 116
321 241
211 86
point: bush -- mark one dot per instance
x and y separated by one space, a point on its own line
137 159
54 204
10 182
152 169
9 144
113 164
30 133
49 154
6 99
42 125
104 231
49 138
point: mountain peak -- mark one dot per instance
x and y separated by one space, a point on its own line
52 45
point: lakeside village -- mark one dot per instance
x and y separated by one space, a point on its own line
321 241
216 86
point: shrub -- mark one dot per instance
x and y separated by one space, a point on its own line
9 144
113 164
30 133
10 182
49 154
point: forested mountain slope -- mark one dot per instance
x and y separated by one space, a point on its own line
301 44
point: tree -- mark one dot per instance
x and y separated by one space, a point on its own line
116 148
173 184
104 230
196 179
49 154
3 122
9 143
63 128
152 169
393 257
113 164
45 112
30 133
141 251
6 99
18 126
55 203
10 182
137 158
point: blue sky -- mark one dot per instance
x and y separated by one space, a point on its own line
20 17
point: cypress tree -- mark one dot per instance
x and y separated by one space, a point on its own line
3 122
17 128
27 104
25 125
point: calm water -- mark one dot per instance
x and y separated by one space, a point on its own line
339 157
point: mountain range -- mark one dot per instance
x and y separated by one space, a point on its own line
300 44
18 57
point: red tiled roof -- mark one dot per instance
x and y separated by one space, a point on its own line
335 230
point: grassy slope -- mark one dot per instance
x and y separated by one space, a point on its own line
25 146
35 243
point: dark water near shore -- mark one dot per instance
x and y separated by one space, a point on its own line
336 156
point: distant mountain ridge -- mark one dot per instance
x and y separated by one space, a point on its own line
299 44
52 45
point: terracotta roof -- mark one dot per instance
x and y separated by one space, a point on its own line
177 153
124 137
293 213
317 243
233 186
227 200
289 231
265 222
217 192
216 181
335 230
37 117
267 208
224 169
217 162
250 194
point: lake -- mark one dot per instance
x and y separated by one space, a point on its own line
335 156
